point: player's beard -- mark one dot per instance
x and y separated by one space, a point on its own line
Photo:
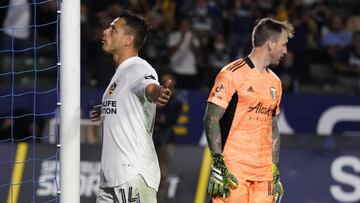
277 60
105 47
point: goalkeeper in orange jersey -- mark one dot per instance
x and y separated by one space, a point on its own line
241 115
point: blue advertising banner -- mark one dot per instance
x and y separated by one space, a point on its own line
324 115
300 114
314 176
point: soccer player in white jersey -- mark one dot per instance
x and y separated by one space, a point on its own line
129 165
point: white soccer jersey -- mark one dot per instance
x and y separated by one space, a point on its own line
128 119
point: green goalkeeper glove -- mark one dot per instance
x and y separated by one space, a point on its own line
278 187
221 179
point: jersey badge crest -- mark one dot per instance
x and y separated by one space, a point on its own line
112 87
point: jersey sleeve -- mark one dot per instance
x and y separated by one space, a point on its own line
278 99
142 79
223 89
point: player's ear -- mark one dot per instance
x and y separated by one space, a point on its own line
270 44
130 39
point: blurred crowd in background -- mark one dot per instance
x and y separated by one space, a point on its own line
194 39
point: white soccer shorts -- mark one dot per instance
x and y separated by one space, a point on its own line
134 191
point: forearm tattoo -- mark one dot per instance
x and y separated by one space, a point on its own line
212 127
275 139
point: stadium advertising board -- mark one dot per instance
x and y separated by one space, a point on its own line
312 171
322 115
300 114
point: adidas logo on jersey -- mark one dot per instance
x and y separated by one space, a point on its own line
250 89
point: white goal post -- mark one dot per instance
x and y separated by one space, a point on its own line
70 101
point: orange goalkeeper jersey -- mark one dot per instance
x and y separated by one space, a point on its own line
251 99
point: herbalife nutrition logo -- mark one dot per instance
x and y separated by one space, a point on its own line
259 108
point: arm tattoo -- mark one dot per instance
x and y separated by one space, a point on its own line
275 139
212 127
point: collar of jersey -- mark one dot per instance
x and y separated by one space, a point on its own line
124 64
249 62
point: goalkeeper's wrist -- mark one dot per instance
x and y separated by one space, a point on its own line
217 158
276 172
218 161
216 155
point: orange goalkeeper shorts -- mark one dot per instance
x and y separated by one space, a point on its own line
249 192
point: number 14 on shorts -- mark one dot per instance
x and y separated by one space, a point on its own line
130 197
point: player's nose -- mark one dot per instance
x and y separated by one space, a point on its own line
105 32
285 50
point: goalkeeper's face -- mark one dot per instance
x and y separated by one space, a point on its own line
279 49
114 38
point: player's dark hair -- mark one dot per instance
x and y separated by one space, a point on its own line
268 28
136 26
